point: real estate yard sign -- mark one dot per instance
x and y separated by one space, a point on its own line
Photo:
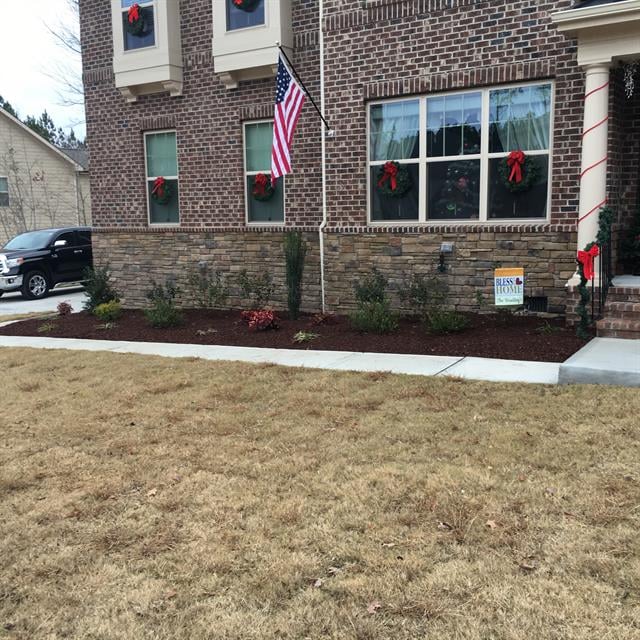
509 287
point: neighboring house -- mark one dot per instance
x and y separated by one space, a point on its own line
40 185
447 88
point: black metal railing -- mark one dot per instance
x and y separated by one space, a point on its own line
602 281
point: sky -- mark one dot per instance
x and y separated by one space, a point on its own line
29 53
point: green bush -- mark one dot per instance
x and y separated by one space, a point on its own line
295 251
374 317
98 287
424 294
108 311
258 290
372 289
163 312
207 287
446 321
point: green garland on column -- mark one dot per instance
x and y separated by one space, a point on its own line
602 238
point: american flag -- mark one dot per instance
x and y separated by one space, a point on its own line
290 98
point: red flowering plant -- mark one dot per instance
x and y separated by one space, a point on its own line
260 320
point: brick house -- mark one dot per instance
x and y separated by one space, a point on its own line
447 88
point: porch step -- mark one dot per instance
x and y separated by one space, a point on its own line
622 310
613 327
623 294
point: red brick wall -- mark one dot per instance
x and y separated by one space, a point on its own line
376 49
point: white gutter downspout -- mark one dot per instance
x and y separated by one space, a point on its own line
324 157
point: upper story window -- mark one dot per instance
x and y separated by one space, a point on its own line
452 151
4 192
265 204
242 14
162 177
138 24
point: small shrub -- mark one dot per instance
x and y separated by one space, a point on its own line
374 317
97 285
372 288
208 288
108 311
64 309
446 321
46 327
295 251
305 336
258 290
260 319
424 294
163 312
547 329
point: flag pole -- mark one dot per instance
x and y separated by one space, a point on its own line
313 102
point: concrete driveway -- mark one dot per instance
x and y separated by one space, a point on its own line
12 304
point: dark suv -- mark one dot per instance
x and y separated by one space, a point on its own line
36 261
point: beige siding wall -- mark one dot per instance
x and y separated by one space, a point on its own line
44 189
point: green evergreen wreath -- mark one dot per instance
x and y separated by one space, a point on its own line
262 190
394 180
135 22
246 5
530 170
161 192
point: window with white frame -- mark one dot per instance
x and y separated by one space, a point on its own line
141 32
162 177
4 192
452 150
243 14
265 203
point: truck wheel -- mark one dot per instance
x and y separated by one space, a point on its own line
35 285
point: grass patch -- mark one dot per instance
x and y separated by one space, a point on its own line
148 497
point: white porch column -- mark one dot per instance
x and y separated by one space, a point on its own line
595 139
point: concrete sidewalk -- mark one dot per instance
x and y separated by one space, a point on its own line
468 368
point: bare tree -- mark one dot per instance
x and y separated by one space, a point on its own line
68 73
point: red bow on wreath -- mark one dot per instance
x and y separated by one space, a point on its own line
159 187
134 13
390 173
515 162
260 185
586 258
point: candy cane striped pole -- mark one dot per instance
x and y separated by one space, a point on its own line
595 140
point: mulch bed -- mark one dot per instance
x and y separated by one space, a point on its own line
489 336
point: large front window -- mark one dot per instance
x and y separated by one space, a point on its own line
265 204
162 177
453 150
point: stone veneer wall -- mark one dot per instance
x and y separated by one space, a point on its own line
547 257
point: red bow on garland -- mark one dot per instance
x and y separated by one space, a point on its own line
586 258
159 187
515 162
390 173
134 13
260 184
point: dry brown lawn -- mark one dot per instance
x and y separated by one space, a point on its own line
154 498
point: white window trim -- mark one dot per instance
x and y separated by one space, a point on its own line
264 25
484 156
148 179
143 5
7 191
278 223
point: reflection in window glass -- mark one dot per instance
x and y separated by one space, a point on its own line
241 19
454 190
395 130
454 125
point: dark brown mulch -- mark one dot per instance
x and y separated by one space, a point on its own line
489 336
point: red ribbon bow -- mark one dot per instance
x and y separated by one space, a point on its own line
516 161
134 13
260 184
586 258
390 173
158 187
